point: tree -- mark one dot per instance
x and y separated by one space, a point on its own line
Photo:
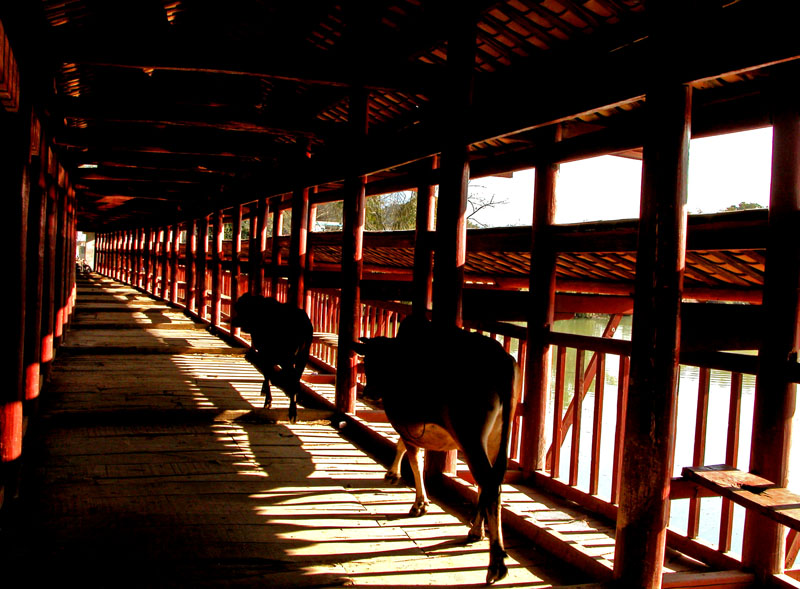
743 206
395 211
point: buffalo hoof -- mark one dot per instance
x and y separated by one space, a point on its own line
497 566
392 477
418 509
496 572
292 414
472 537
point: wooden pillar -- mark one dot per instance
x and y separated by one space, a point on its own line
14 152
451 221
48 286
542 313
652 395
275 252
298 247
202 265
37 216
165 243
176 248
354 211
191 254
236 253
150 272
216 271
258 246
59 295
422 297
774 402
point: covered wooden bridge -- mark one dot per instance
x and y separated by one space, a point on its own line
197 142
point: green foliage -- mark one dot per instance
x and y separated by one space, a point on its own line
743 206
396 211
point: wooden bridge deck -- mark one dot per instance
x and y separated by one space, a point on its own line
151 466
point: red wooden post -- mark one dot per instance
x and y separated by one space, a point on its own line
37 215
202 265
216 271
236 253
540 322
150 275
650 423
298 247
14 179
422 298
191 255
774 401
165 255
275 251
259 257
175 253
352 257
48 300
60 270
451 223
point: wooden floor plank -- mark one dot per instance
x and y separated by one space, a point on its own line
162 470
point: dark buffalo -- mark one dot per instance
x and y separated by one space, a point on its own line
280 341
449 390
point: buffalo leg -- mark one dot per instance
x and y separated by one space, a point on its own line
488 507
266 393
393 474
415 456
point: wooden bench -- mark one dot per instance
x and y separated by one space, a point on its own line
750 491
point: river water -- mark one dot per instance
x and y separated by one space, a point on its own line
719 397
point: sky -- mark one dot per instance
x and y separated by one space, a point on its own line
723 170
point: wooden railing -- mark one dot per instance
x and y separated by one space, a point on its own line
585 432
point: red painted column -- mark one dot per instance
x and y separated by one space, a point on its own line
202 265
422 299
37 216
191 255
298 246
652 394
542 310
451 223
774 402
275 251
216 271
236 253
175 253
14 179
352 257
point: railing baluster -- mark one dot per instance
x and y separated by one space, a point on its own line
558 407
597 429
731 458
577 402
622 404
699 446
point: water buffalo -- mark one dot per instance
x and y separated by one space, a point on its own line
281 338
449 389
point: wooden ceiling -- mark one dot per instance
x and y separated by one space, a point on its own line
165 109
